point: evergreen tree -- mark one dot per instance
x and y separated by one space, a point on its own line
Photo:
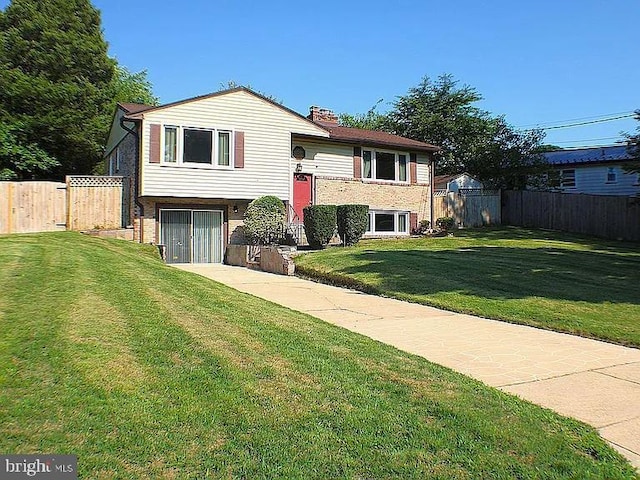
55 80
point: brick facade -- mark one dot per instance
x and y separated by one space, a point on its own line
414 198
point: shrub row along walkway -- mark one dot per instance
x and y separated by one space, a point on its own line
596 382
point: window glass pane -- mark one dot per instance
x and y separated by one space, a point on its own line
223 148
402 168
366 164
170 143
197 146
385 166
402 222
369 221
611 174
384 222
568 178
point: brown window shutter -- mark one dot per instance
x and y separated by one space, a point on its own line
413 168
357 162
238 148
154 143
413 221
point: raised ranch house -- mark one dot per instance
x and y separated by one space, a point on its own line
595 171
195 165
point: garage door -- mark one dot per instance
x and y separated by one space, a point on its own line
192 236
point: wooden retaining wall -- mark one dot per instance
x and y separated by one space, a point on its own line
606 216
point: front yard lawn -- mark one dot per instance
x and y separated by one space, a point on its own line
145 371
572 284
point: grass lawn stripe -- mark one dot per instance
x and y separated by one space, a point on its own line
145 371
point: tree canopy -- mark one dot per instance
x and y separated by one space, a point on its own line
443 113
633 145
58 88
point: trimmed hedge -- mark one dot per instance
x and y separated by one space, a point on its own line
319 224
352 222
264 220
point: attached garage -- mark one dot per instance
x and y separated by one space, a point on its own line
192 236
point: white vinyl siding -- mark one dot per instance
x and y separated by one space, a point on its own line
325 159
593 180
422 168
267 149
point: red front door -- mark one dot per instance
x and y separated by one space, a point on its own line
301 193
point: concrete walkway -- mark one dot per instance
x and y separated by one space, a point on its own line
596 382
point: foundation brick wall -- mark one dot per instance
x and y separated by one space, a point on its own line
414 198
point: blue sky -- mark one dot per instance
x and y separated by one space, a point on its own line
534 62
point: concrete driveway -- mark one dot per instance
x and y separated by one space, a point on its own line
596 382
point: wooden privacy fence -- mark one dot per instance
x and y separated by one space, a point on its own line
82 203
27 207
475 208
97 202
613 217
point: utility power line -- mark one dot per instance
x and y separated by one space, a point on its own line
580 121
588 123
616 138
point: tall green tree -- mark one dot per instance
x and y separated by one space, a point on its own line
55 80
633 145
19 159
131 87
443 113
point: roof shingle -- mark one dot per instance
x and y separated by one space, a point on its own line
374 137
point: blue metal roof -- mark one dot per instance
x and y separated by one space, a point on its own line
614 153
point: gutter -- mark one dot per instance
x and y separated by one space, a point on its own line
136 135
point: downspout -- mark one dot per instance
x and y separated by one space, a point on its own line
432 187
140 206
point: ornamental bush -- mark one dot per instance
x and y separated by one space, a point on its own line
319 224
352 222
445 223
264 220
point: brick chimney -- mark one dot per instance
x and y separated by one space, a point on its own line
318 114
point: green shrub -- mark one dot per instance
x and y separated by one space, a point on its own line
264 220
352 222
445 223
422 228
319 224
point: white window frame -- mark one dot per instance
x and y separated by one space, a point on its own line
374 152
615 175
396 222
180 129
562 179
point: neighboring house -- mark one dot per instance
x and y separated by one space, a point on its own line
596 171
196 164
453 183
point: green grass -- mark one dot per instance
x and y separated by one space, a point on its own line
572 284
145 371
